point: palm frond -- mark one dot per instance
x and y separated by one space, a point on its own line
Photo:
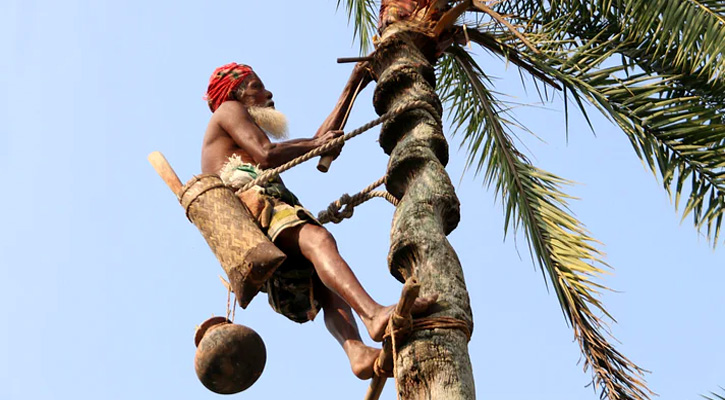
667 38
533 201
671 107
685 37
363 15
480 5
673 130
498 46
683 136
688 35
715 396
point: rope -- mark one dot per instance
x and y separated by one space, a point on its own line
420 324
400 325
268 174
395 354
429 323
231 304
333 213
379 369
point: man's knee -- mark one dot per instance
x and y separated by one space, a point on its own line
323 237
317 238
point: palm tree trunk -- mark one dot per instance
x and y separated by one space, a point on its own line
433 363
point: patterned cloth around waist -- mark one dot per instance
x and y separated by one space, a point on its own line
290 289
237 173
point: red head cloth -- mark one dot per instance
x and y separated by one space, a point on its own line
224 81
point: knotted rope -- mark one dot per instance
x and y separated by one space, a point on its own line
335 215
265 176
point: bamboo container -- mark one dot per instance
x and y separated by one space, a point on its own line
246 254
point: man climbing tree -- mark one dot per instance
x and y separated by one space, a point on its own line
237 147
655 68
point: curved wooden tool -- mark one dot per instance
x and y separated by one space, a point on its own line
163 168
325 161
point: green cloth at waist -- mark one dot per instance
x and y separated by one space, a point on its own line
274 187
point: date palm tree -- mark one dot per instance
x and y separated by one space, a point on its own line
653 67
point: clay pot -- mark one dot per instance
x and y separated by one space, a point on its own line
229 357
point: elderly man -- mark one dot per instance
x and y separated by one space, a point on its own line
237 146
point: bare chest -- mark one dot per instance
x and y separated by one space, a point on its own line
216 151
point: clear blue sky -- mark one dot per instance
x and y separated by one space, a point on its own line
102 279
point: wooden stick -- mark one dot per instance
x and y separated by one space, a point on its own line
376 387
163 168
343 60
410 292
324 164
401 320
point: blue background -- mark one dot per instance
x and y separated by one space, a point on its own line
102 279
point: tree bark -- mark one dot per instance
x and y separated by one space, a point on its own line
432 364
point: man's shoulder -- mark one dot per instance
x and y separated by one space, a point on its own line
232 119
231 108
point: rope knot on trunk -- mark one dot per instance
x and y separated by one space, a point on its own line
336 213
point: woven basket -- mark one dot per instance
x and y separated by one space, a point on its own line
246 254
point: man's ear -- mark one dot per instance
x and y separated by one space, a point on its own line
238 93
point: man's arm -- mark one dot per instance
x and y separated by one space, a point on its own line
234 119
359 77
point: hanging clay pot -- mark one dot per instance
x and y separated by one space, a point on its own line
229 357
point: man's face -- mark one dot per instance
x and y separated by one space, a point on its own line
255 94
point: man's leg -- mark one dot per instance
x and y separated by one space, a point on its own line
317 245
341 324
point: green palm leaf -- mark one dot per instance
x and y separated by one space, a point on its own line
715 396
673 130
687 35
363 15
654 67
533 201
668 37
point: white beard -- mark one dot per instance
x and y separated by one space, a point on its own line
272 122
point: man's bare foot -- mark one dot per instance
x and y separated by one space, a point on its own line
362 358
376 326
